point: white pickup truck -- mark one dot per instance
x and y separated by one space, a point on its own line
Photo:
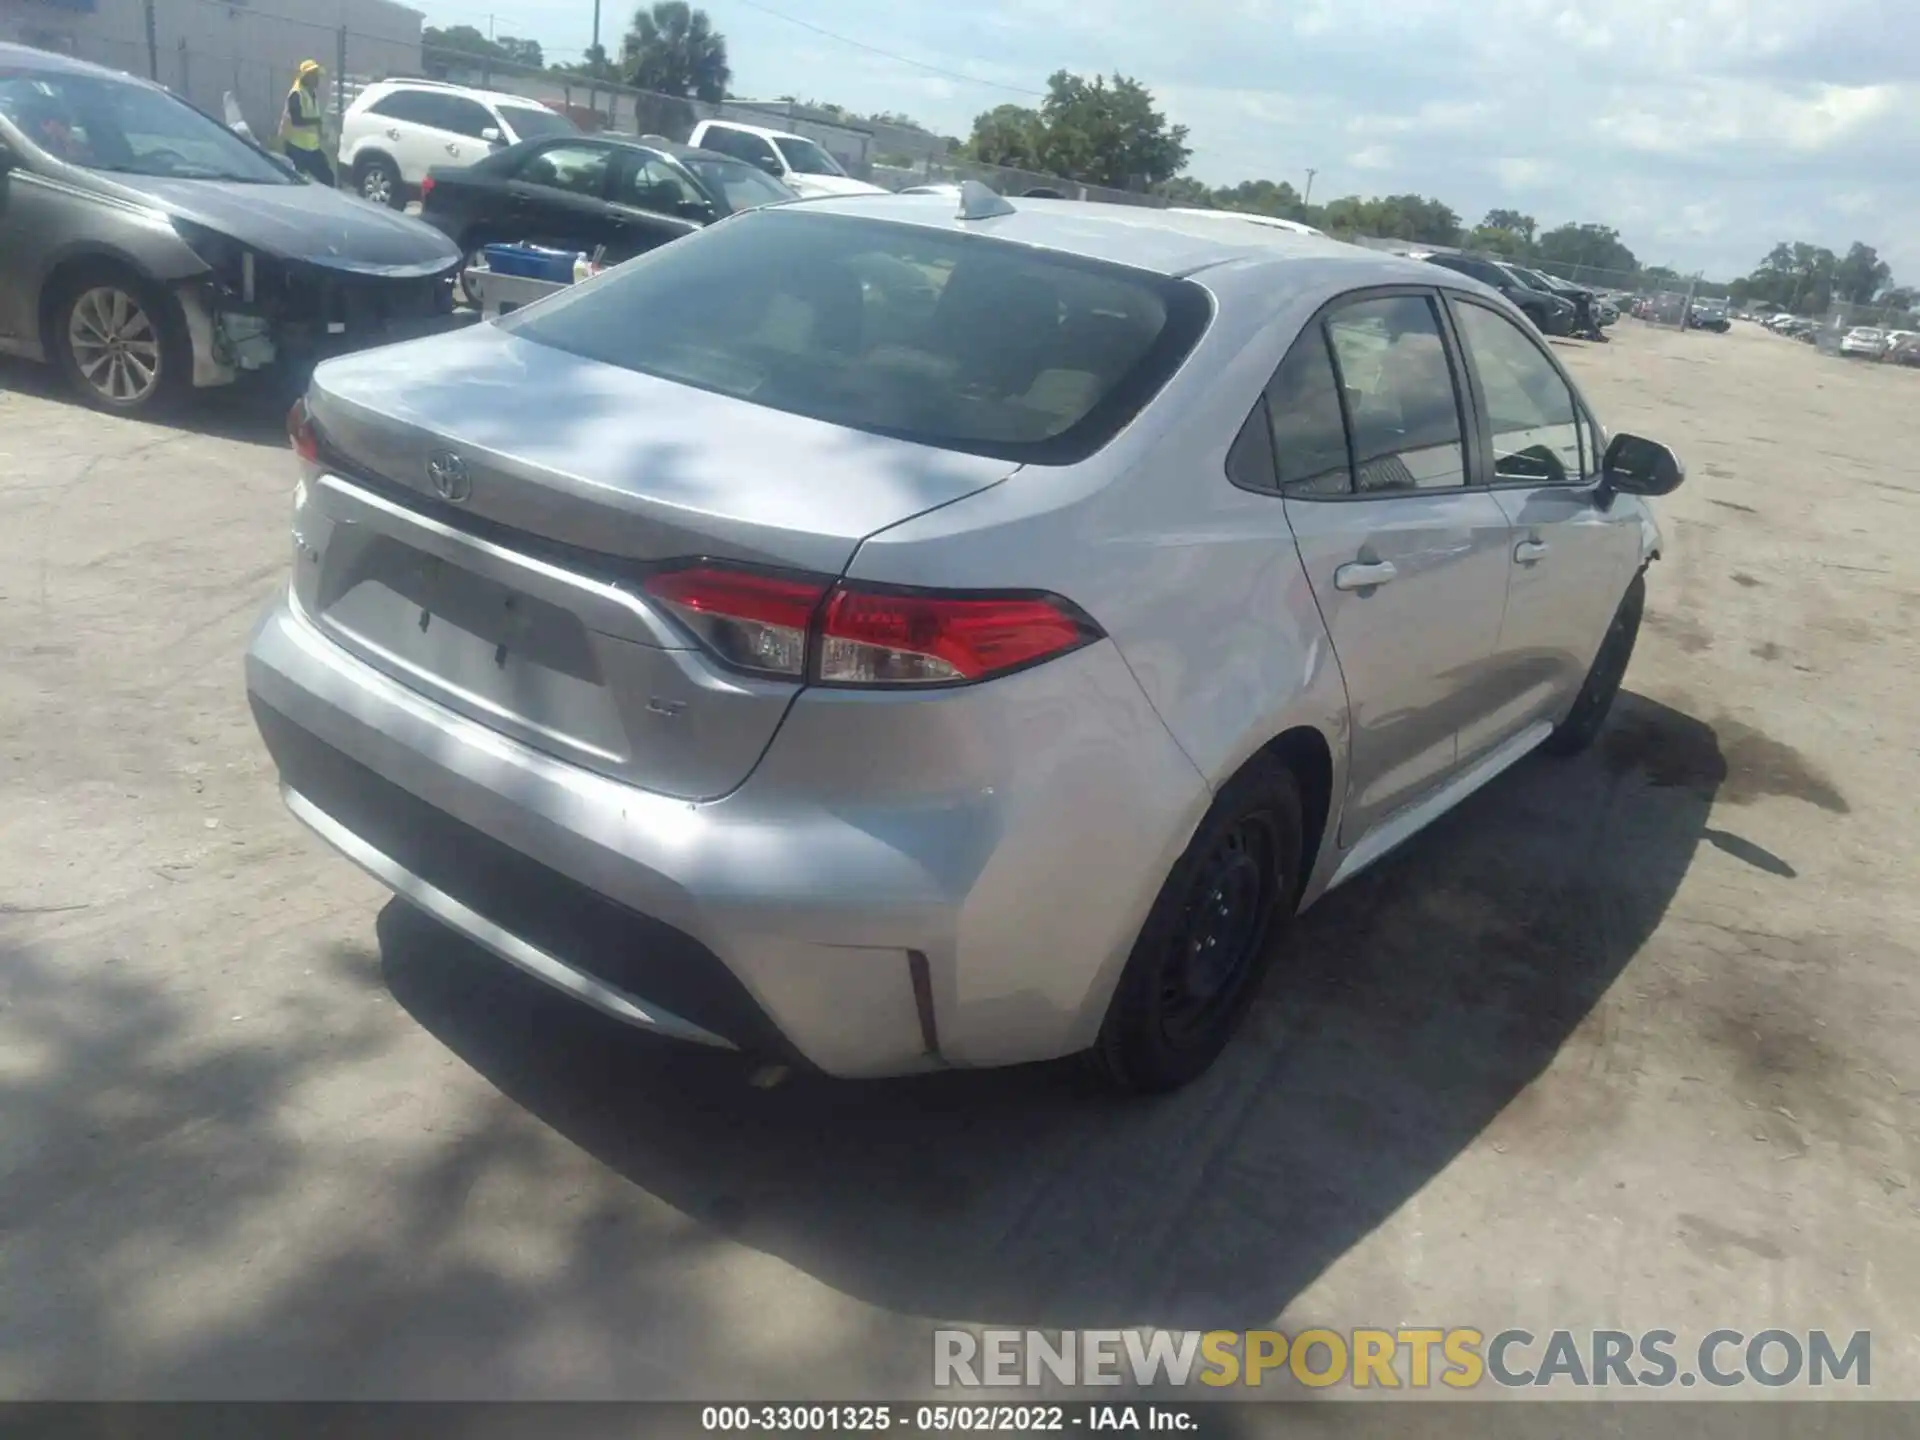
806 167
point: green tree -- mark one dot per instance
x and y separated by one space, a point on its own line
1010 135
1262 197
1796 277
594 65
1589 246
1188 193
1093 131
1861 274
1498 240
1394 217
458 47
673 49
523 52
1513 222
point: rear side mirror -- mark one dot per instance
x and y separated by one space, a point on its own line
1633 466
770 165
701 210
493 136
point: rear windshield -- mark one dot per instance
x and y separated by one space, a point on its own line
530 122
958 341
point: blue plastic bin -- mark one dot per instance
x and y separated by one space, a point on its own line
531 262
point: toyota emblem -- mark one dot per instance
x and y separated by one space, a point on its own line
448 472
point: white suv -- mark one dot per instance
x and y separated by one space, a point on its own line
802 164
397 130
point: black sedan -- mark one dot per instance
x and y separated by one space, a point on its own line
582 192
1550 314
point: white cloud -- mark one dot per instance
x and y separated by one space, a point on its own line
1519 173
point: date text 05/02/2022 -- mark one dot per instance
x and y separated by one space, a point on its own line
945 1419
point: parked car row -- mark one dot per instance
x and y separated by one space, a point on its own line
256 268
397 132
1871 342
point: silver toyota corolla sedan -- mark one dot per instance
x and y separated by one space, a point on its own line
776 654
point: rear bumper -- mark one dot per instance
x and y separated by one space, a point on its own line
863 910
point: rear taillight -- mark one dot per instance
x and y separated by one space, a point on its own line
757 622
426 186
874 637
301 433
869 636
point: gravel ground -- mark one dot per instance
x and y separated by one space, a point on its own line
1626 1041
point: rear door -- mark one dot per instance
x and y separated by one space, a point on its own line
1571 558
407 126
449 133
653 201
1408 561
558 197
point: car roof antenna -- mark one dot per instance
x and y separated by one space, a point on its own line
977 202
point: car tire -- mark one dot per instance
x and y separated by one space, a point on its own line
472 251
1582 725
1207 941
377 179
120 340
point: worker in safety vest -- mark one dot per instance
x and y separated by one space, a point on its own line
300 128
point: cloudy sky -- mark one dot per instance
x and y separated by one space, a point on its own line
1704 130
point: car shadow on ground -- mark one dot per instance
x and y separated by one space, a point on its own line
252 410
1407 1011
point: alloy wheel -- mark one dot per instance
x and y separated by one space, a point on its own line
376 185
115 344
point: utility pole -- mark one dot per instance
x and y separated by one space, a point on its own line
1307 199
593 62
153 46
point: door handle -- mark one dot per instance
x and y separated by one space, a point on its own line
452 149
393 134
1362 575
1528 551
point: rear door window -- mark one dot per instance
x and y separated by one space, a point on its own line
650 182
409 105
959 341
1400 395
1309 430
741 145
576 169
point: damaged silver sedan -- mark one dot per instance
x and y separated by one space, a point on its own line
146 249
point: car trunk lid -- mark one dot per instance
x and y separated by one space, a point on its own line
491 507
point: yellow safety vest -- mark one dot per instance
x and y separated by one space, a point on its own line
309 107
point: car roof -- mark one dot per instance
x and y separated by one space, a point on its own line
761 130
1251 217
1136 235
655 144
492 97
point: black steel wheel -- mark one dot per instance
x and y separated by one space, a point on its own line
1582 725
1197 965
